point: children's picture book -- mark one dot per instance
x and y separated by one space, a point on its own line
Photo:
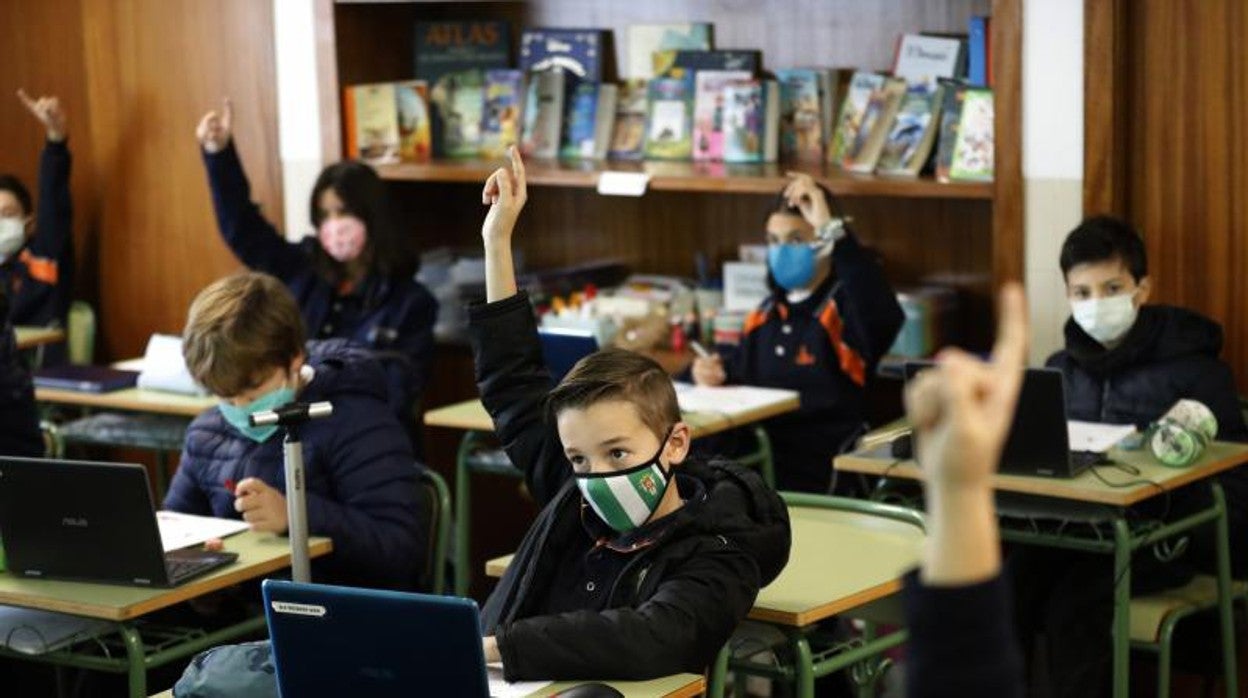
708 112
977 51
645 39
832 82
925 58
974 150
848 123
745 112
372 123
577 52
628 138
877 119
669 120
460 99
415 137
950 115
445 49
592 111
801 127
909 143
674 64
500 118
543 114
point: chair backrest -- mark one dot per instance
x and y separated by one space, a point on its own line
437 498
80 333
860 506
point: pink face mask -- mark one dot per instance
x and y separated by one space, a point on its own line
343 238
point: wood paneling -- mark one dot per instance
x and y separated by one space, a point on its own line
1007 75
152 69
1105 115
1184 152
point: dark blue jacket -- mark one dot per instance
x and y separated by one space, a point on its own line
19 420
39 280
684 588
393 317
826 348
361 476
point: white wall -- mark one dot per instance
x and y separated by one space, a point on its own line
298 113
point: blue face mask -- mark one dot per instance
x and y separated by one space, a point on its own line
792 264
238 416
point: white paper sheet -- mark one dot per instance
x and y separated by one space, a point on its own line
729 400
165 369
179 531
1098 438
499 688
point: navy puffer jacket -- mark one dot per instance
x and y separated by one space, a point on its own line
361 476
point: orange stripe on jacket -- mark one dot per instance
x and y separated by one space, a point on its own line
851 362
40 268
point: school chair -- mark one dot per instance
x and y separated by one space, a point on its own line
761 457
80 333
475 455
437 497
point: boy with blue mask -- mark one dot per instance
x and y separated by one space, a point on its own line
642 561
244 342
831 317
1125 362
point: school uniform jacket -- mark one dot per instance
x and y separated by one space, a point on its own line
39 278
392 317
677 599
19 420
826 348
362 488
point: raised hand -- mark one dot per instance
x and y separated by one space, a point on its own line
709 370
214 129
48 111
505 193
805 195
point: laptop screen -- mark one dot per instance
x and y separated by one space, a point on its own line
562 348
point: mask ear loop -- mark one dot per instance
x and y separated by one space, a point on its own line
826 241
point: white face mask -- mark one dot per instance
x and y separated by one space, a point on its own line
12 236
1106 320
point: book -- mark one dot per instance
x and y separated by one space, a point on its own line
675 64
500 124
909 143
861 85
771 121
950 115
974 149
85 379
831 84
543 114
645 39
628 137
415 136
877 119
977 51
371 122
669 120
460 100
445 49
801 127
592 112
744 116
925 58
578 52
708 112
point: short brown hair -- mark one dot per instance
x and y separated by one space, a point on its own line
238 328
619 374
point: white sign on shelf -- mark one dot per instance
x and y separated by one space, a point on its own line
613 183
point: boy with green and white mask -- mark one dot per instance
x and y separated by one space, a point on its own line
642 560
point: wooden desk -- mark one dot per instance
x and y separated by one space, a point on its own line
130 400
675 686
1154 478
31 337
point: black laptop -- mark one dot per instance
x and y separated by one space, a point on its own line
94 522
1039 442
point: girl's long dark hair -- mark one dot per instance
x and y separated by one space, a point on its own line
391 253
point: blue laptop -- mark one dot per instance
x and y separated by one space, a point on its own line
562 348
344 641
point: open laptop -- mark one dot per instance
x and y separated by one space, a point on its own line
340 641
1039 440
63 519
562 348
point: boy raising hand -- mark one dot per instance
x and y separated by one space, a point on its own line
642 561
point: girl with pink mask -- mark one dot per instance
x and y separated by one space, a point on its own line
353 279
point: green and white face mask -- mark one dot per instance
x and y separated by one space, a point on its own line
626 499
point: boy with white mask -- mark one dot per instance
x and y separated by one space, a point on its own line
1125 362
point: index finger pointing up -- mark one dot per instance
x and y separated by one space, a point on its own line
517 169
30 103
227 114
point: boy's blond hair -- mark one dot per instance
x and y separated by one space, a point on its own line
619 374
238 329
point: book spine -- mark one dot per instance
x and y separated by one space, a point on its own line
977 68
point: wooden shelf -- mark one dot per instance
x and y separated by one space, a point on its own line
690 177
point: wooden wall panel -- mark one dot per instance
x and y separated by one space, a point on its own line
1186 154
152 68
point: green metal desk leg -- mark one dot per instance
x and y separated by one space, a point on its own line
866 674
1122 606
463 514
719 674
766 466
1229 666
804 664
135 656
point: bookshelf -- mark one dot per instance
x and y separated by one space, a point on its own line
965 235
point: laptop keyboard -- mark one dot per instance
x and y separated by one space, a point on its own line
181 566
